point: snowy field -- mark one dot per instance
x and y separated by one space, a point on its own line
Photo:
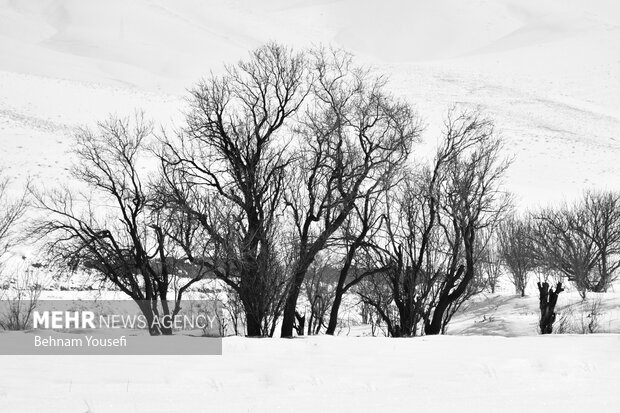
429 374
492 358
547 71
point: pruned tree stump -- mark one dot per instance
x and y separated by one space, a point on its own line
548 299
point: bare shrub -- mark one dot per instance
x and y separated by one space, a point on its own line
230 316
20 301
580 318
565 321
590 317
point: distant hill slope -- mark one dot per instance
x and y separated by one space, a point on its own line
547 71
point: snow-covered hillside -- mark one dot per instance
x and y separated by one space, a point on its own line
546 71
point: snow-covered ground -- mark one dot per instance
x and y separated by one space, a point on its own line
430 374
492 359
514 316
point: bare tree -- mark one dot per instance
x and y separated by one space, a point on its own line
12 209
602 211
353 135
431 247
20 292
227 170
319 290
581 240
514 237
376 298
472 199
109 226
490 267
561 243
231 317
354 240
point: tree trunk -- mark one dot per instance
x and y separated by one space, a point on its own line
253 316
147 311
603 282
288 317
548 299
333 315
253 325
435 326
301 322
166 330
252 293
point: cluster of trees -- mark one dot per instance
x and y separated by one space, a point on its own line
579 242
438 223
285 159
291 180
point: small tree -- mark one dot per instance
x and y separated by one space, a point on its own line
21 292
319 289
376 299
491 267
602 225
515 251
12 210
